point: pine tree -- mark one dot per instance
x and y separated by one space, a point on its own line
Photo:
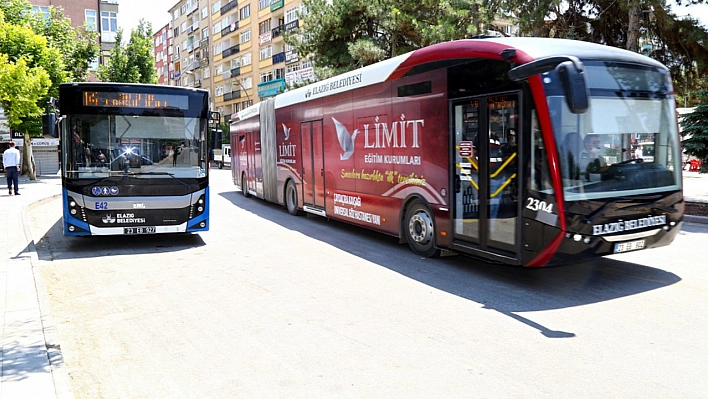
695 130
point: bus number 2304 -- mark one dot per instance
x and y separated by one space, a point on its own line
537 205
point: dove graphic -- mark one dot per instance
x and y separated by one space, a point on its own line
286 131
345 140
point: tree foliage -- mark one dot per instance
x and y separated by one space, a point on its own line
22 48
133 62
345 34
695 130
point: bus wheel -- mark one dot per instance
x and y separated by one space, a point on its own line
291 201
244 189
419 230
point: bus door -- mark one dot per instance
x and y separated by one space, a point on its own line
254 172
312 164
486 175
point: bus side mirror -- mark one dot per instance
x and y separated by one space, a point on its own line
575 87
571 73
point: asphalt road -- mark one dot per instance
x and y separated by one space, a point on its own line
266 305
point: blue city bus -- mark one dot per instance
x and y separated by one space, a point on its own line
134 158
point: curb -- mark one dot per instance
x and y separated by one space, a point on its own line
695 219
60 374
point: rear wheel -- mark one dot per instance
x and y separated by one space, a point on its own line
291 199
419 229
244 189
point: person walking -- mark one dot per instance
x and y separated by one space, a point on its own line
11 161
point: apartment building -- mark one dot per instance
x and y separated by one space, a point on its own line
234 49
163 47
99 15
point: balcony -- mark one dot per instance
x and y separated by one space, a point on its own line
235 72
197 83
204 43
190 29
277 31
292 26
228 7
230 51
175 57
190 48
230 28
291 56
271 88
228 97
204 61
276 4
280 57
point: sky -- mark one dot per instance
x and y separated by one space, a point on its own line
155 11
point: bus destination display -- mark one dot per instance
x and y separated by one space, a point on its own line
134 100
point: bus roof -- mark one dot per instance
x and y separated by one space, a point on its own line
527 49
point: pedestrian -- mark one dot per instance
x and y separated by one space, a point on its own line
11 161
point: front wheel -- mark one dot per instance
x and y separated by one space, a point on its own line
291 199
419 230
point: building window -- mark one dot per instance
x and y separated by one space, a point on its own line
42 11
206 72
266 52
91 20
183 9
246 59
245 12
218 48
280 73
109 21
291 15
216 28
246 36
247 82
216 7
263 4
205 12
264 27
175 15
267 76
219 91
235 63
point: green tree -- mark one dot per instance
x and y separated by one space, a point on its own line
340 35
695 130
20 42
21 88
78 46
134 62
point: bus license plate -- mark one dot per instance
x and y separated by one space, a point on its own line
629 246
139 230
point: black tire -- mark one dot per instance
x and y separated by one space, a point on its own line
291 199
220 165
419 229
244 189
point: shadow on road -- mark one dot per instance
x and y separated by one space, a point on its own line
97 246
505 289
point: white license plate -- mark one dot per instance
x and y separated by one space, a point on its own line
629 246
139 230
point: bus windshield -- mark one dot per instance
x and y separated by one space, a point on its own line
140 146
626 143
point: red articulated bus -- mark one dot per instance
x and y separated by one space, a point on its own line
514 150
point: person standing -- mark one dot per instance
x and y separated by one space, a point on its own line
11 161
